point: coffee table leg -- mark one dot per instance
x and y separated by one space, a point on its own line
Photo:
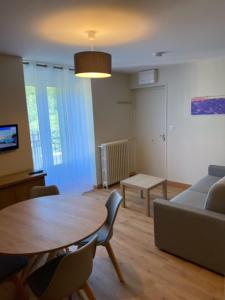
123 194
147 203
165 189
142 196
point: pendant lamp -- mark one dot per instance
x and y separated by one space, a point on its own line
93 64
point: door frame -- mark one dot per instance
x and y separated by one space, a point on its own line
165 86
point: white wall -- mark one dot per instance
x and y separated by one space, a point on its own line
112 121
13 111
193 142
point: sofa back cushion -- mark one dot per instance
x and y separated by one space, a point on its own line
216 197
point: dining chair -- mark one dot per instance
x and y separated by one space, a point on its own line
64 275
10 266
41 191
105 233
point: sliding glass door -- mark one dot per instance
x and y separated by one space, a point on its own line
61 126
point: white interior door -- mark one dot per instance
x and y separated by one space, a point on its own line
150 119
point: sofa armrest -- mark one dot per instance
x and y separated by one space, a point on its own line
218 171
194 234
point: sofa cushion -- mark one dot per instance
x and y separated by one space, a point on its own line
204 184
216 197
218 171
191 198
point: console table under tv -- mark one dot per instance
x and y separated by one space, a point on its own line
16 187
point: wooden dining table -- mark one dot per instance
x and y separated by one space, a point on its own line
46 224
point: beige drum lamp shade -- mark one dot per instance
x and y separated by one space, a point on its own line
93 64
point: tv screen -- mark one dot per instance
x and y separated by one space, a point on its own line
8 137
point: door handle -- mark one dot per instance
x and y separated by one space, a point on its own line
163 136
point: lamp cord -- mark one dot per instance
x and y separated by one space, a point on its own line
91 37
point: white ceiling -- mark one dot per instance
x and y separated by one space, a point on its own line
131 30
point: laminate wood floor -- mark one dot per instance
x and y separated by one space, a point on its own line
149 273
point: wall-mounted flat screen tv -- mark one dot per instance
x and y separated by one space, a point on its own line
9 137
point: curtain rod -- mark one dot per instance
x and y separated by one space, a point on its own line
44 65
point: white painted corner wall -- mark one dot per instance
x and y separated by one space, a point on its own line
193 142
112 118
13 111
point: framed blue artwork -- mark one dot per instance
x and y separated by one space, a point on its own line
208 105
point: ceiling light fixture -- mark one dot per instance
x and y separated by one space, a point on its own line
93 64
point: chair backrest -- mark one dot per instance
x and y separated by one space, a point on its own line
72 272
41 191
112 205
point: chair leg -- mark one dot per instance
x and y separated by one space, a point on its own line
80 295
88 292
20 289
114 261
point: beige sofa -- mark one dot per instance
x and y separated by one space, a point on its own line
192 225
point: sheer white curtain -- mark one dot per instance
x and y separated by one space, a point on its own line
61 126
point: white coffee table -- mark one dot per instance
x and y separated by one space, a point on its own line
144 183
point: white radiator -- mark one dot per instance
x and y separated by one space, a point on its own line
114 161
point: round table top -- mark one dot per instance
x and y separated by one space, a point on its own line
48 223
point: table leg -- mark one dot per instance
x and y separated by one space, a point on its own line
123 195
52 255
32 262
147 203
142 195
35 260
165 190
